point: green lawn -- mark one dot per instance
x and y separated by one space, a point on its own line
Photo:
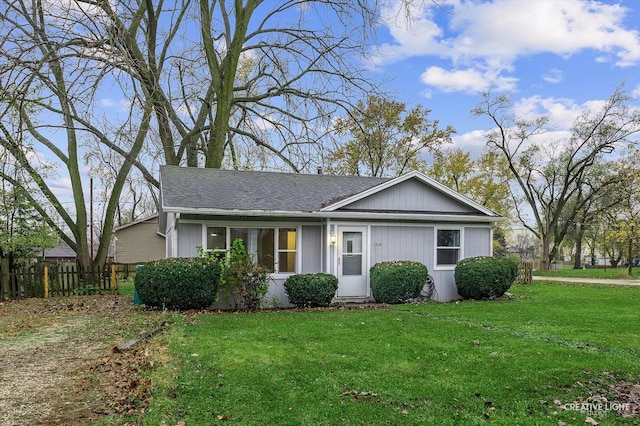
609 273
501 362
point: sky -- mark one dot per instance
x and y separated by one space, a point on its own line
554 57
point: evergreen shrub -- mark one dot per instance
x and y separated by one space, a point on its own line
311 290
484 277
181 283
397 281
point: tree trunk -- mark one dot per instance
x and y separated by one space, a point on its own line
545 256
577 262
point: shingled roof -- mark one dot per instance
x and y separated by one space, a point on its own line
211 189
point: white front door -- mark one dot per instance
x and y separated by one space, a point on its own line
352 261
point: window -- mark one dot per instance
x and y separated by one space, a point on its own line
274 248
259 243
286 250
217 241
447 247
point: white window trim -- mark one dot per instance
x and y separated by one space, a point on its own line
435 247
261 225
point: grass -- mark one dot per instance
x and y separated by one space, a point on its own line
126 288
500 362
609 273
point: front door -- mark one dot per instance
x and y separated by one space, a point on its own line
352 261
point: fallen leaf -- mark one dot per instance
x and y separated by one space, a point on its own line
221 417
590 421
476 342
405 412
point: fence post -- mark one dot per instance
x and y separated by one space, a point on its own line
46 282
114 283
4 278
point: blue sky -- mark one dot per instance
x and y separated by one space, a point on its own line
554 57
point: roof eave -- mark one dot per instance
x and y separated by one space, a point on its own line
340 215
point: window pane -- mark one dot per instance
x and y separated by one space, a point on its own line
352 242
447 256
243 234
287 239
216 238
448 238
259 243
352 264
265 248
287 262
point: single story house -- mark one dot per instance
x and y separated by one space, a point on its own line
138 241
308 223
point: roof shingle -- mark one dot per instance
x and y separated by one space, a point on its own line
196 188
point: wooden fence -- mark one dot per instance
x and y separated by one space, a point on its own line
59 279
525 273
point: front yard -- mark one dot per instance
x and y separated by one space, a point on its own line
536 359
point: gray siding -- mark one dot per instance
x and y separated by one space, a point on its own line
402 243
477 242
410 195
189 237
311 249
415 243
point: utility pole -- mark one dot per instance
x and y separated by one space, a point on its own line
91 215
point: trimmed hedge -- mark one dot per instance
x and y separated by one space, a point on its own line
182 283
311 290
398 281
484 277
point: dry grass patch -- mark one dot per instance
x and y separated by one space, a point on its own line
56 362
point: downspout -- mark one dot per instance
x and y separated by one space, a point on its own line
174 246
327 244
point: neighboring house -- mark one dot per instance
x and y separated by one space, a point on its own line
342 225
60 253
138 242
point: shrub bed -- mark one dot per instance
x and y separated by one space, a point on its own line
484 277
311 290
185 283
398 281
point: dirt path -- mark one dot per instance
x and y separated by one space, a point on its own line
56 365
634 283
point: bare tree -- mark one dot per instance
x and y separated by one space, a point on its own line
270 74
552 176
50 80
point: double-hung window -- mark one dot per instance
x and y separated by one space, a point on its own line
447 247
217 241
287 250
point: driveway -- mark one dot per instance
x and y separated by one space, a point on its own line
589 281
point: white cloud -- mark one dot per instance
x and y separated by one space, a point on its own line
561 112
490 36
554 76
473 142
468 80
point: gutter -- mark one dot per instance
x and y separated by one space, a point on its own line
339 215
